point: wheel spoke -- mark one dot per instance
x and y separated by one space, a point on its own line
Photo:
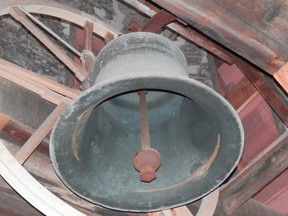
51 32
32 86
46 82
32 143
17 14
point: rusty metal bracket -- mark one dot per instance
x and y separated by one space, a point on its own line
183 30
154 24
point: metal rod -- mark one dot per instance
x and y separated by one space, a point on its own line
88 55
145 137
46 28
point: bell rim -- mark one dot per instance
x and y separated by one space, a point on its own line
105 88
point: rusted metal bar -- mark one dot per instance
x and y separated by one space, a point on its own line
186 32
158 22
227 29
88 55
145 137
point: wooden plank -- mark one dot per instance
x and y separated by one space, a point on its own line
39 165
61 11
268 89
259 172
179 211
254 208
248 101
242 94
267 16
17 132
30 188
192 35
207 207
183 211
7 197
46 82
282 76
39 134
226 28
275 193
32 86
17 14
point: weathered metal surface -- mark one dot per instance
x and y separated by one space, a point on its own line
147 161
107 137
231 31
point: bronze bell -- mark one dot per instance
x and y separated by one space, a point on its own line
144 114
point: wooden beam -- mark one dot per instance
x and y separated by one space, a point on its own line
268 89
282 76
30 188
17 14
248 101
46 82
226 28
207 207
17 132
254 208
37 137
32 86
48 177
262 170
150 10
179 211
183 211
241 93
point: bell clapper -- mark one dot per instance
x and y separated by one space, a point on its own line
147 160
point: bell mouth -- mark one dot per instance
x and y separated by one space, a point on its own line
104 173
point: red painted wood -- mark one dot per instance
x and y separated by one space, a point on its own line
275 194
79 43
257 117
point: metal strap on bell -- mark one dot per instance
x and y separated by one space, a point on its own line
145 136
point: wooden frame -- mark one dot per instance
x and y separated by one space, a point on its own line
61 95
10 169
